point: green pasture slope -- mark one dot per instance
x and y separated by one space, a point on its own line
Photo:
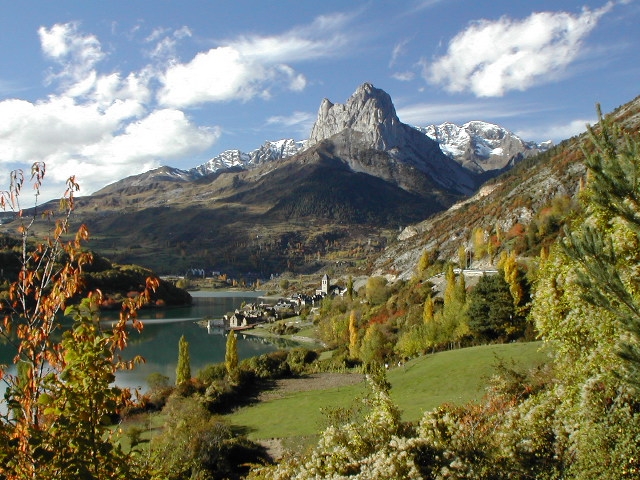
456 376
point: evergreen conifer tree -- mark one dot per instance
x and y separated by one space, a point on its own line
607 275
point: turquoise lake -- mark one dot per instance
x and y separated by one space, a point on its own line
158 341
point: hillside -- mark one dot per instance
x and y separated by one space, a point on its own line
364 191
342 196
522 209
457 376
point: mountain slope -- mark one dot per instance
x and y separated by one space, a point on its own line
515 210
361 176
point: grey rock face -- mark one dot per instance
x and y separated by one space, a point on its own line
368 111
277 150
368 122
268 152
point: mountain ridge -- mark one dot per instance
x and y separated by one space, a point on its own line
489 153
336 198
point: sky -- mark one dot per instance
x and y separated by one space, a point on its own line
105 90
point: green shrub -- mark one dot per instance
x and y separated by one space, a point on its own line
299 358
212 372
269 365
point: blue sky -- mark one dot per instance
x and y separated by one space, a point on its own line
104 90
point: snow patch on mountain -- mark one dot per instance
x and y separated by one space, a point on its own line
481 146
269 151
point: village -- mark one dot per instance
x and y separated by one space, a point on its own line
252 314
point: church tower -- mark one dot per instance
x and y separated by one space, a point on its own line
325 284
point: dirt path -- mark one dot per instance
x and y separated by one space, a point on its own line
316 381
286 386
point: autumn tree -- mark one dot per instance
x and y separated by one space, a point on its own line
375 345
463 257
231 355
587 308
376 290
517 281
183 368
607 249
428 310
425 261
56 411
353 335
479 243
450 323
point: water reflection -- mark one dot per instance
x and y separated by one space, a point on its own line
158 341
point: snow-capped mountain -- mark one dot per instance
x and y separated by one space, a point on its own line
481 146
269 151
478 146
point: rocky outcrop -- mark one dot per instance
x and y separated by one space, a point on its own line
367 135
269 151
276 150
368 111
368 123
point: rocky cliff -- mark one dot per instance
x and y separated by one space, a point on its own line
368 122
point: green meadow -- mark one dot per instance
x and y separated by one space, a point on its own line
456 376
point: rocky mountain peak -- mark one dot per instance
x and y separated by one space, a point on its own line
481 146
369 111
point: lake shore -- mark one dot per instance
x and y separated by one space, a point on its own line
308 341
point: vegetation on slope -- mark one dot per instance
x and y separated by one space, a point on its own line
579 420
456 376
116 282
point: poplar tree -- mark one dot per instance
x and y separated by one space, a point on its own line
427 313
353 335
462 257
509 266
231 356
450 285
479 244
183 369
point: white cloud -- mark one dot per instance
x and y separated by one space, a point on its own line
491 58
556 132
217 75
420 5
166 42
398 51
301 122
103 144
422 114
163 134
296 118
403 76
251 65
102 127
76 54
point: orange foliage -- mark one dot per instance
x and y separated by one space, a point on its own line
518 230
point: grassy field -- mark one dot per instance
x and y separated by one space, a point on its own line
456 376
